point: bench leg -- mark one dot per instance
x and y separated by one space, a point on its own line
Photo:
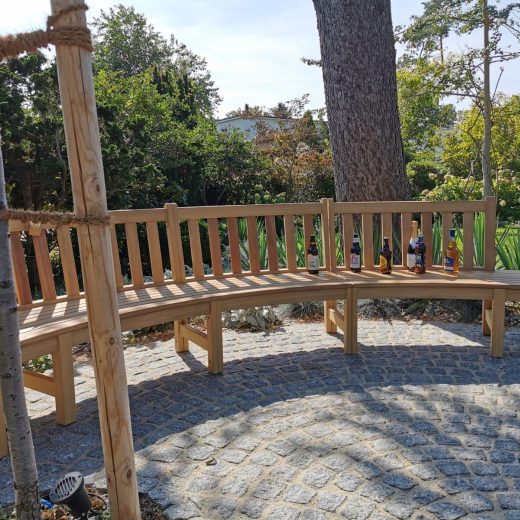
4 448
63 375
215 350
330 326
486 304
498 313
350 337
181 343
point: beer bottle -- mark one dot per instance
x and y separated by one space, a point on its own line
355 255
385 258
313 258
451 255
420 255
410 257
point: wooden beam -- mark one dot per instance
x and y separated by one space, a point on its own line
497 323
74 66
189 333
337 318
350 337
215 350
329 307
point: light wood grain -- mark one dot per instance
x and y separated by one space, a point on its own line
74 68
196 249
328 308
252 244
401 206
350 316
181 342
447 224
214 339
468 226
116 261
175 242
427 231
43 263
308 231
406 233
497 323
63 378
290 242
21 279
215 247
154 250
234 245
368 244
272 243
386 224
328 235
134 254
68 264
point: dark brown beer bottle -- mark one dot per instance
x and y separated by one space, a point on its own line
385 258
313 257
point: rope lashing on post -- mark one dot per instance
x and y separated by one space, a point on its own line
13 45
55 218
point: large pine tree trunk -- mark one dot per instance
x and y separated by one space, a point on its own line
358 62
12 392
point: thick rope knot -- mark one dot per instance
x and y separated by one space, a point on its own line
54 218
73 35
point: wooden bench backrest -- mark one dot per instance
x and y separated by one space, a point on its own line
25 238
344 216
233 230
236 241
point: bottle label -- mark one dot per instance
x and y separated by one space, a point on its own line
419 262
410 260
355 261
449 263
313 262
383 263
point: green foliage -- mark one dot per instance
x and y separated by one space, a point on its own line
508 248
40 364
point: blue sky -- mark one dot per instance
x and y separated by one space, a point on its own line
253 48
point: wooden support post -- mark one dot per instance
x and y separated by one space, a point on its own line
181 343
330 326
497 323
74 66
490 229
486 329
64 381
215 350
350 337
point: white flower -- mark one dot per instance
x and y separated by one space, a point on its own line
503 203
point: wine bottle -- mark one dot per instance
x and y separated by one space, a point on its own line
420 255
313 258
410 257
385 258
451 255
355 255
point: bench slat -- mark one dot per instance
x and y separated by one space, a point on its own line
368 243
252 244
154 249
21 278
467 230
308 230
447 223
116 259
234 245
196 249
43 263
215 247
406 233
427 231
348 234
290 242
175 243
134 254
68 263
272 244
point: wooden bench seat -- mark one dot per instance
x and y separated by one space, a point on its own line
240 275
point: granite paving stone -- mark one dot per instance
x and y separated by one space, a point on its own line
422 424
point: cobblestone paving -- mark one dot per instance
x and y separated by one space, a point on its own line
422 424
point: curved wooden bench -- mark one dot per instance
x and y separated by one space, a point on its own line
242 277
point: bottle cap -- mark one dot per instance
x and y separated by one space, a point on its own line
452 232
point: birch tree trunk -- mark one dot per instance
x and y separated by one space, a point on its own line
358 63
19 436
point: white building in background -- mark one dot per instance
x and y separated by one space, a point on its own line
248 125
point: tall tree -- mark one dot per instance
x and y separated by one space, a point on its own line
358 63
12 393
465 74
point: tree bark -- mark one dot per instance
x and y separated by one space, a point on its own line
358 63
19 436
486 144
